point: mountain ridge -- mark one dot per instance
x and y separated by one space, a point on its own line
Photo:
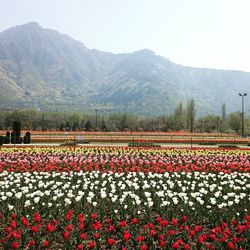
44 69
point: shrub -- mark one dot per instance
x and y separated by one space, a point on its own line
1 140
69 143
7 138
17 129
228 146
207 143
13 137
143 144
26 138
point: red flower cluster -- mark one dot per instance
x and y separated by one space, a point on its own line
125 234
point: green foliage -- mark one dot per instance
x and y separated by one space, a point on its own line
143 144
16 133
27 138
69 143
88 126
125 121
7 138
13 139
104 127
228 146
179 118
207 143
190 112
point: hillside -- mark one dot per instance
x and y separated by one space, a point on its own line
44 69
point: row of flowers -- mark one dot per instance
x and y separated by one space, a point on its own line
94 231
58 139
204 195
128 133
123 159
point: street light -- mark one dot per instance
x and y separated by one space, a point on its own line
242 113
96 110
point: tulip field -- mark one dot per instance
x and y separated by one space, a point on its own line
124 198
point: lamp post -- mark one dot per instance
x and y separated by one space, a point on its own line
242 113
96 110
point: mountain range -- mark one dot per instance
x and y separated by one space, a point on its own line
44 69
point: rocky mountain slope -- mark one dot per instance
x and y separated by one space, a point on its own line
44 69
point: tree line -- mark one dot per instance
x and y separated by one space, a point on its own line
183 118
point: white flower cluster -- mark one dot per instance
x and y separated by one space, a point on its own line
196 190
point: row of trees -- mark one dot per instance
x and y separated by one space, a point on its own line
184 118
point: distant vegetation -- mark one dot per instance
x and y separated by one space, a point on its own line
184 118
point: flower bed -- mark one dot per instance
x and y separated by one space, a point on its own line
124 198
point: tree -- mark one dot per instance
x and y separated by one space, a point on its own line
123 122
13 138
208 123
17 131
223 111
104 127
190 114
234 121
223 124
88 125
179 117
26 138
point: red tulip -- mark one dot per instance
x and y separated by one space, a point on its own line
83 236
231 245
69 227
37 218
123 223
175 245
13 224
93 216
184 218
24 221
134 221
174 221
162 243
50 227
46 243
92 244
69 214
164 223
14 245
107 221
66 235
31 243
111 241
144 247
126 236
13 216
80 247
172 232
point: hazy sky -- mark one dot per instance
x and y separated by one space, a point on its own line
202 33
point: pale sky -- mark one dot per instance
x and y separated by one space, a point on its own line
199 33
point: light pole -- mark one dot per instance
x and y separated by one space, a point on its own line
96 110
242 113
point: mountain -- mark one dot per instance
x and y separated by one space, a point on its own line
44 69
